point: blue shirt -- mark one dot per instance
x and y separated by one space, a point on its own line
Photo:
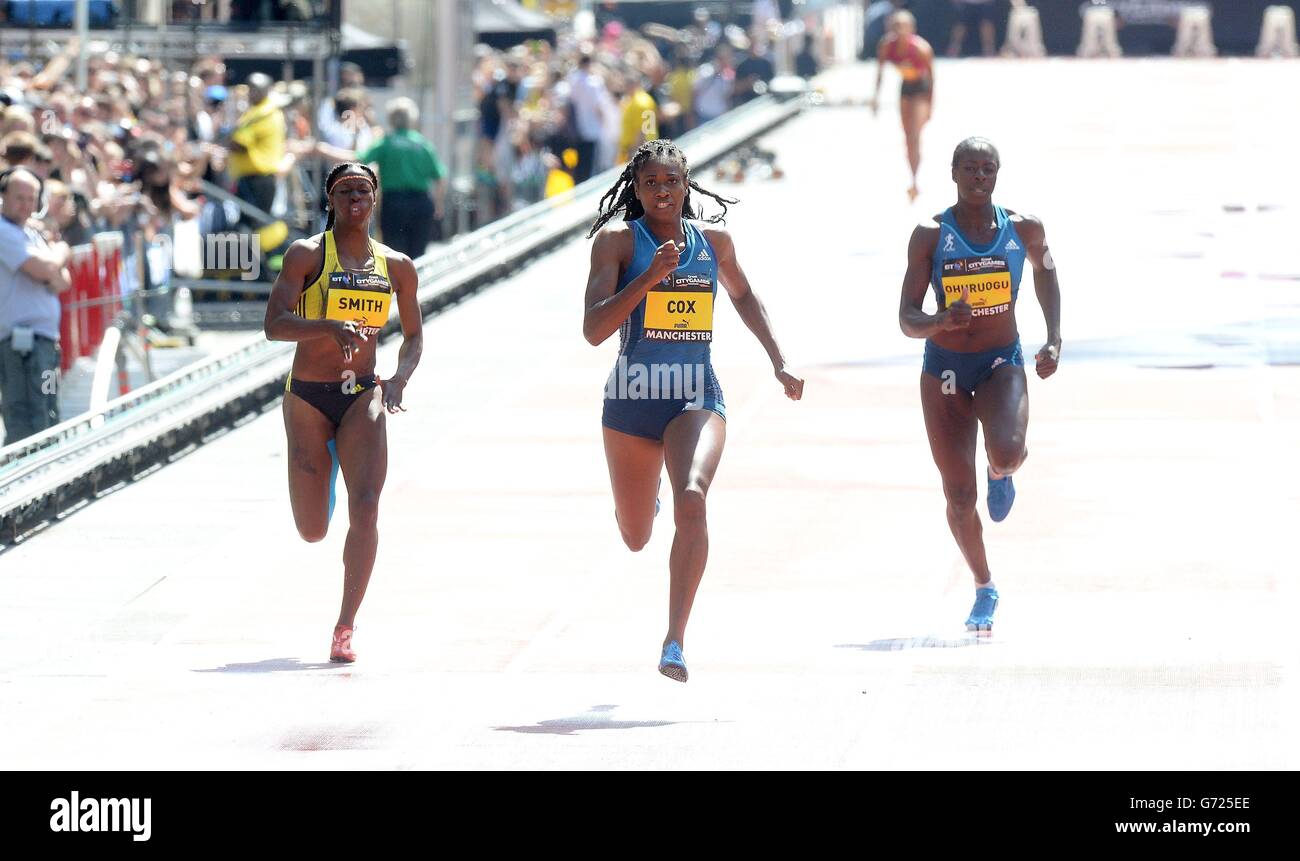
23 300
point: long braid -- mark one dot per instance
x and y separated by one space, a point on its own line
338 171
621 197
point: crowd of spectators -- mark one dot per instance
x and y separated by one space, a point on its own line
581 110
127 152
142 145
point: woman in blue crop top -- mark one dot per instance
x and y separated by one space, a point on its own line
653 280
973 373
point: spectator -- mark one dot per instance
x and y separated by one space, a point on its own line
704 33
753 73
805 62
21 149
211 72
680 89
67 217
349 128
506 95
973 13
764 16
409 170
496 115
713 86
258 146
330 116
17 119
209 120
640 117
532 162
591 107
32 274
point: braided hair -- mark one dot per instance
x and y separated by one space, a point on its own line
339 172
622 196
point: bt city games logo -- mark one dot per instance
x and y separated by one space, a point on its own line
102 814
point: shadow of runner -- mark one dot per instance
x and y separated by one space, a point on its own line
898 644
597 717
272 665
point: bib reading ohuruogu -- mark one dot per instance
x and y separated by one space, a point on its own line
986 279
364 298
989 275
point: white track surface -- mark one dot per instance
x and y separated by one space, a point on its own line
1147 572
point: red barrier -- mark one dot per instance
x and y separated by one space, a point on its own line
95 298
72 325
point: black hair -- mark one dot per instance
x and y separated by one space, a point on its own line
621 197
336 174
973 143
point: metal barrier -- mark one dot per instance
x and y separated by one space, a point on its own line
77 459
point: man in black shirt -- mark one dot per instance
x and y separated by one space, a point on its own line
752 70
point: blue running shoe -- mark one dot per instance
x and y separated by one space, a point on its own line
672 664
334 474
1002 493
981 615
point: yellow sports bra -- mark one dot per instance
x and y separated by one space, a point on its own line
344 294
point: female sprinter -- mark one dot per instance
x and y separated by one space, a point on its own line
973 374
915 60
333 296
653 280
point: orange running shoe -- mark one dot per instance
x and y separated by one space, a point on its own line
341 649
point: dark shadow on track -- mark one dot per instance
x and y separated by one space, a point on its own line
597 717
272 665
898 644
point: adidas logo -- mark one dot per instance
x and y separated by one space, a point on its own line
1012 246
704 255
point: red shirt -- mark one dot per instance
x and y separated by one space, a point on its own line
911 54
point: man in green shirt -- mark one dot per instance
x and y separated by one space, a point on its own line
412 180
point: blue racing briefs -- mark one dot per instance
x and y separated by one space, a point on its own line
642 399
969 369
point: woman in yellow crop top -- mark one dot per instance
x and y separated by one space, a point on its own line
333 297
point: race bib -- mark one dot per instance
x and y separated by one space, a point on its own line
681 310
359 297
987 280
